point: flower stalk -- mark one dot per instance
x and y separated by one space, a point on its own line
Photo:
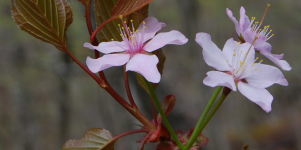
199 125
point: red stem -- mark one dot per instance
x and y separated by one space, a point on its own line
128 89
135 112
128 133
100 27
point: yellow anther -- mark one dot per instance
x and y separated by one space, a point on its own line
143 22
112 39
132 20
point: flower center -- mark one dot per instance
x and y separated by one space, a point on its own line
241 62
132 37
260 31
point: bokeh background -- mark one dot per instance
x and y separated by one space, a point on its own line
45 99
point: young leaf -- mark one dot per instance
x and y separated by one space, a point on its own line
94 139
46 20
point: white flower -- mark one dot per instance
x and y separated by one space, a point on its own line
237 69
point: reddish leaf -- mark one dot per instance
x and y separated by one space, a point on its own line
126 7
46 20
109 10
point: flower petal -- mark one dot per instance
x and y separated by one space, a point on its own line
234 20
148 28
259 96
146 65
106 61
244 21
263 76
217 78
263 46
108 47
229 49
247 53
164 38
213 56
276 59
238 53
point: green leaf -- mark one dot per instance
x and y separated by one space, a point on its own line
46 20
94 139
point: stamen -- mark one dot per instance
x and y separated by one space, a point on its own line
256 25
267 8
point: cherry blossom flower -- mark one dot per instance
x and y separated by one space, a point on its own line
135 49
238 69
253 32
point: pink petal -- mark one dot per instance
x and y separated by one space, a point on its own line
146 65
263 46
216 78
108 47
276 59
229 49
234 20
247 52
164 38
249 35
149 29
263 76
259 96
244 21
213 56
106 61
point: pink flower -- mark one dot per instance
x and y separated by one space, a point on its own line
135 49
249 30
238 69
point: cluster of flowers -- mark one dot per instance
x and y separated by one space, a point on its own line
236 65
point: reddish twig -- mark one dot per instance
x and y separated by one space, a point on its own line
100 27
135 112
128 89
128 133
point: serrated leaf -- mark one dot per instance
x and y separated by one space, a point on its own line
94 139
46 20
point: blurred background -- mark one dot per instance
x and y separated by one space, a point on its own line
45 99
